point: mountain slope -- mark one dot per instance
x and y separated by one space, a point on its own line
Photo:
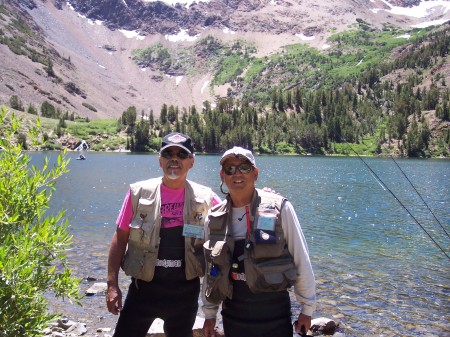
90 45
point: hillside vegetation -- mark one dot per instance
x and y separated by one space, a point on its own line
377 91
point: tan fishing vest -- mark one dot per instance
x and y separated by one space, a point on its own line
268 267
143 243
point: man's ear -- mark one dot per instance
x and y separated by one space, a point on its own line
256 173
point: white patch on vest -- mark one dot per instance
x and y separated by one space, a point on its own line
168 263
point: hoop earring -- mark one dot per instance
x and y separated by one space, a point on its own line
221 189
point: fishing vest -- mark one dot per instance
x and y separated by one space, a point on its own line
269 266
143 242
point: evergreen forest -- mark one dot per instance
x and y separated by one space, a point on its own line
320 105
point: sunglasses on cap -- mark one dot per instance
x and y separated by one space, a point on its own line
243 168
180 154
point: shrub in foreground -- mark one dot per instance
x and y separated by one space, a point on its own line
32 244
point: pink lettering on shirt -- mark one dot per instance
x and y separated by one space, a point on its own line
172 203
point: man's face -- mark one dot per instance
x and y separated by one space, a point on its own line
239 175
175 163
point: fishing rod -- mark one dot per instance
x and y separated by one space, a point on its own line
420 196
400 202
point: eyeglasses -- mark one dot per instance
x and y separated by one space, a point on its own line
243 168
180 155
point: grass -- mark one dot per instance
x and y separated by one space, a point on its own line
106 126
256 67
100 134
230 67
366 147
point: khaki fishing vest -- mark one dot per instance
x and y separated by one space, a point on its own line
268 267
143 243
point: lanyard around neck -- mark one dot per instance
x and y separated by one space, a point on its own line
247 215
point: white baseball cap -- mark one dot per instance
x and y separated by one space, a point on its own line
240 153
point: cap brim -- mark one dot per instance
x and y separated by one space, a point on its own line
226 157
239 156
175 145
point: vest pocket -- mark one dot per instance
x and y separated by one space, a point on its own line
216 221
144 215
195 263
270 275
139 263
218 258
270 248
148 267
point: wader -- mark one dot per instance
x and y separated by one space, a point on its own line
265 314
169 296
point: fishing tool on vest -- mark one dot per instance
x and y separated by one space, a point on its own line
234 270
248 243
214 271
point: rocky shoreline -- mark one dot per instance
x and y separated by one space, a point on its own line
65 327
78 322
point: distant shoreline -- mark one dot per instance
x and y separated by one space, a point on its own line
256 153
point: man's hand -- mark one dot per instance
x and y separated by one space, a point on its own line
115 257
114 299
209 327
302 321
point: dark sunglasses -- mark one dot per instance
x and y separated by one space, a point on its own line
180 155
243 168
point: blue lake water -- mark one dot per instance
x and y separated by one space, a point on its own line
378 273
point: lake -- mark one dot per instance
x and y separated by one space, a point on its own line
378 272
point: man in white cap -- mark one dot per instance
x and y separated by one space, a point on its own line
158 242
255 252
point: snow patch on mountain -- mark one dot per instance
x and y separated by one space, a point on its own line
187 3
424 9
181 36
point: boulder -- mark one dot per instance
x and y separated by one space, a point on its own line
324 326
96 289
156 330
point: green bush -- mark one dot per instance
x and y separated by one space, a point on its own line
284 147
33 245
89 106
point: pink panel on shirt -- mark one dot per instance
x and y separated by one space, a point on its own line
170 208
126 213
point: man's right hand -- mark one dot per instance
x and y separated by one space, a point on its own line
209 327
115 257
114 299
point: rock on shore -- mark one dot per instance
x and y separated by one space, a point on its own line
64 327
